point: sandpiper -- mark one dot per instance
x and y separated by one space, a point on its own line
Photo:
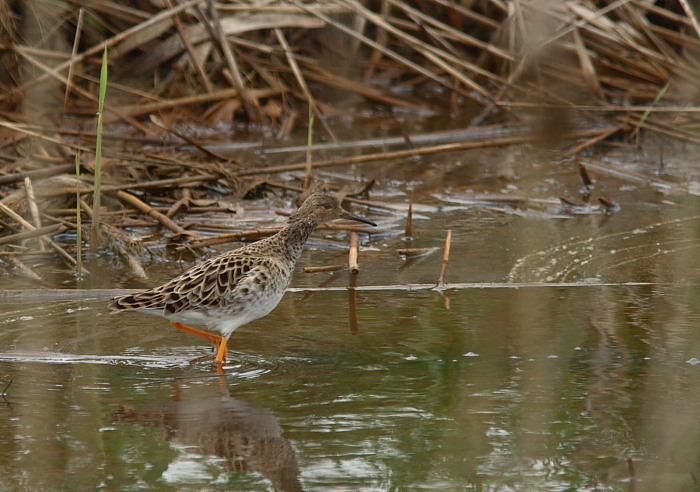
234 288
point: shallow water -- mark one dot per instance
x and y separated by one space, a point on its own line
566 356
539 388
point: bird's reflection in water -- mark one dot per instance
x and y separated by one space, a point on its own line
246 435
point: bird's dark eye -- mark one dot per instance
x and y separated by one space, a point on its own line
327 206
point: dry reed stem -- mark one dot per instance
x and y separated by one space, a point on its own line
326 77
43 231
409 220
21 129
324 268
88 95
592 141
445 259
194 59
148 210
619 36
108 43
74 52
161 183
160 124
33 208
353 253
691 16
636 177
435 149
661 128
30 227
25 269
387 52
250 103
183 202
415 252
429 52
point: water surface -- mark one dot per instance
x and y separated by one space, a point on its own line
571 362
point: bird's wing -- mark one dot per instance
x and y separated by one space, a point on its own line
203 285
208 284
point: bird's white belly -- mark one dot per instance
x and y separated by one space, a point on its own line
226 320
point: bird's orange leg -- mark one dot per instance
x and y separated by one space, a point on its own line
215 340
222 353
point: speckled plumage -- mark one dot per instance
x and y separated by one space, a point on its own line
239 286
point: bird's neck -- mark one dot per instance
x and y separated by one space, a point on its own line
290 240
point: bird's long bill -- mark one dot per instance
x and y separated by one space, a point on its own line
348 215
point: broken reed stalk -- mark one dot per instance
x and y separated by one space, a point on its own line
445 260
12 214
409 220
39 173
415 252
24 269
24 235
323 268
33 208
353 253
148 210
95 229
78 219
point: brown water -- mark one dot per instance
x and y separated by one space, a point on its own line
571 363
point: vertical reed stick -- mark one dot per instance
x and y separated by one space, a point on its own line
309 143
33 208
445 260
95 230
352 255
409 221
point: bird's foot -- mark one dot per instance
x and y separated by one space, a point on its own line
218 342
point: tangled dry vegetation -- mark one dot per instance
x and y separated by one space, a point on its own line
590 70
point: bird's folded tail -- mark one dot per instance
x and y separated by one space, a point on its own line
141 300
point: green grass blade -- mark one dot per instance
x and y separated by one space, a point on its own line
78 218
95 230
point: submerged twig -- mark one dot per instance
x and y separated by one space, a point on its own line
4 390
409 221
415 252
324 268
25 269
